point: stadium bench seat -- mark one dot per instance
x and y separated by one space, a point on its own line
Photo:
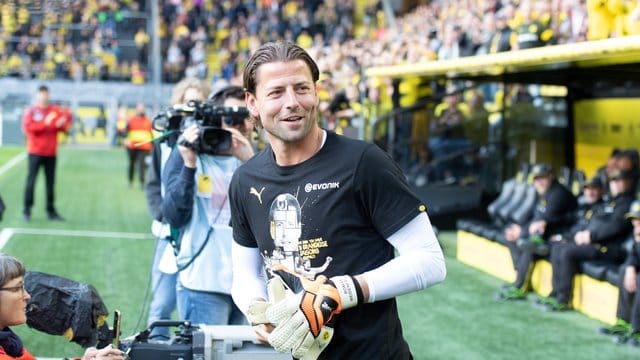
613 275
578 179
596 298
465 224
597 269
524 210
502 199
518 195
491 232
564 177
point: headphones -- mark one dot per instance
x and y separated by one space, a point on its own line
218 96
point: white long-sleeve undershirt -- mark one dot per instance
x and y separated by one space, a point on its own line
419 264
249 279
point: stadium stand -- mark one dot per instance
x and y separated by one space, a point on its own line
228 31
102 40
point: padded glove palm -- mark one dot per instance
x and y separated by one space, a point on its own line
300 318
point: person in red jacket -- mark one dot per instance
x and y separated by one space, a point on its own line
13 300
41 124
138 141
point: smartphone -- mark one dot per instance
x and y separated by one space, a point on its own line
116 329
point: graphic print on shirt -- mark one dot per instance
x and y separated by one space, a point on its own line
285 228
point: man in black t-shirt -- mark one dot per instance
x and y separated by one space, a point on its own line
325 213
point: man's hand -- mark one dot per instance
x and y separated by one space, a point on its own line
108 352
537 227
629 279
583 237
304 345
240 146
512 232
48 120
63 120
262 332
189 135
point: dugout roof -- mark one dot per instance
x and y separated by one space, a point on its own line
573 65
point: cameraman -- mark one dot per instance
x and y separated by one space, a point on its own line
196 204
163 278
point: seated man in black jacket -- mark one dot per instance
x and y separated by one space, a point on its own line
591 200
627 327
554 203
601 238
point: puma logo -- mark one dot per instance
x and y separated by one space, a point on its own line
255 192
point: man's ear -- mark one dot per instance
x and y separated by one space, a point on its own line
250 99
252 106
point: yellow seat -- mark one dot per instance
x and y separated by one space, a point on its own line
594 298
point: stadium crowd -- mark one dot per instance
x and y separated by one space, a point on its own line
85 39
109 41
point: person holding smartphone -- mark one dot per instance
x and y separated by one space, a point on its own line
13 305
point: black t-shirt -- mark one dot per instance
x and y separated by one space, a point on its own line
338 207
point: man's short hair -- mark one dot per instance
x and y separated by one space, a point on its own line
43 88
279 51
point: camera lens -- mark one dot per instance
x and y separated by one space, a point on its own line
213 140
211 136
229 120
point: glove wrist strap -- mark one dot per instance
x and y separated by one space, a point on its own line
349 290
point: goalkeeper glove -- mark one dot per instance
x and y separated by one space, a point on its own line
305 347
319 300
300 318
277 291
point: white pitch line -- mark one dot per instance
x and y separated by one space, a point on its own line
82 233
7 233
11 163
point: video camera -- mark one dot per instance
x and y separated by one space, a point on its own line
208 117
199 342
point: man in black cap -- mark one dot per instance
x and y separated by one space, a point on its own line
591 201
601 239
553 204
627 326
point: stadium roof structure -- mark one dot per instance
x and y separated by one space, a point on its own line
615 59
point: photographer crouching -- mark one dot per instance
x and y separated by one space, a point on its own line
213 144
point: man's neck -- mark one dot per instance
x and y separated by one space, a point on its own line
288 154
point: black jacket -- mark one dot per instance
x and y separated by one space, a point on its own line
610 225
556 207
583 215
